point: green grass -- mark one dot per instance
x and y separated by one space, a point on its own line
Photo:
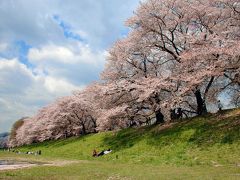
201 147
109 170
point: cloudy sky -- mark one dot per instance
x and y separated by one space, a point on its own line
48 48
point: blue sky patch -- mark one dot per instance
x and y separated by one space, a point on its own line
68 33
22 50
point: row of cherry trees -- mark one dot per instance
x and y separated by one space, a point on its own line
68 116
178 54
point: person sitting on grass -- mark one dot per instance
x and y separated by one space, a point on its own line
94 154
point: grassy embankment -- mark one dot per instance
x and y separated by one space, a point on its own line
202 147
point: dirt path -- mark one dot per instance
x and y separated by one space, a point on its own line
28 165
16 166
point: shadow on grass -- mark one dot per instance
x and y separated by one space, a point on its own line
126 138
199 131
217 130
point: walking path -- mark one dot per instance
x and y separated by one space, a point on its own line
10 165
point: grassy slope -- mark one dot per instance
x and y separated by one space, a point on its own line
201 143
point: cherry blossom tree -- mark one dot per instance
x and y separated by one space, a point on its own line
214 53
13 134
193 43
68 116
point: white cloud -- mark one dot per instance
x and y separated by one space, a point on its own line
71 53
22 92
12 75
51 53
28 21
102 20
55 85
58 70
75 62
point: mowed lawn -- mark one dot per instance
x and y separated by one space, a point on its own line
199 148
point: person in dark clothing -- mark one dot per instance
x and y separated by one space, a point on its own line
65 134
101 153
219 105
179 113
159 117
94 153
173 114
104 152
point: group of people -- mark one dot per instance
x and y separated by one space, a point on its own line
96 154
176 113
35 153
39 152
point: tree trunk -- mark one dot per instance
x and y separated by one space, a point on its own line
83 129
201 106
159 117
158 113
94 124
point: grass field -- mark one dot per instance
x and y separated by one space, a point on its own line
199 148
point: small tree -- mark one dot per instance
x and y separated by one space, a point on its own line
13 134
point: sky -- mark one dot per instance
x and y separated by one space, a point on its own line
50 48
